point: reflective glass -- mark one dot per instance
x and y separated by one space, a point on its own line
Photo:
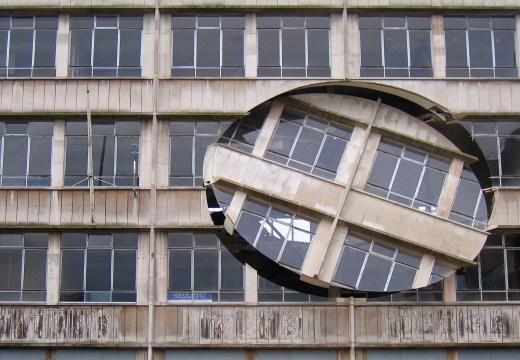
205 278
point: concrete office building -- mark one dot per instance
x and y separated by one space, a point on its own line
298 179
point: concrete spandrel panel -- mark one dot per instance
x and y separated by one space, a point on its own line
300 177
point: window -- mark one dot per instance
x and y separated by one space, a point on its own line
469 206
23 267
408 176
105 46
115 151
396 46
279 235
496 277
480 46
308 144
271 292
500 145
189 141
25 153
202 269
98 267
28 46
293 46
208 46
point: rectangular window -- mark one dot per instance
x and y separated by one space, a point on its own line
28 46
98 267
469 206
25 153
395 46
293 46
189 141
408 176
105 46
23 267
208 46
115 153
271 292
480 46
200 268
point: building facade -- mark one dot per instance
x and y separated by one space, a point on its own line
334 179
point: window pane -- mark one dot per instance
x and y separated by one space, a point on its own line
371 51
293 42
20 48
10 269
431 186
268 48
130 48
420 49
126 156
513 269
349 266
99 268
492 269
407 178
124 269
183 47
456 55
205 268
35 270
15 156
307 146
179 277
233 48
382 170
208 48
45 48
509 150
232 272
40 157
318 47
105 48
181 156
480 52
331 153
72 269
396 48
80 47
375 273
103 155
284 137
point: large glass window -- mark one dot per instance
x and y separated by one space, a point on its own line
496 277
202 269
308 144
115 152
211 46
500 144
281 236
480 46
25 153
105 46
293 46
271 292
408 176
28 46
189 141
395 46
23 267
98 267
469 206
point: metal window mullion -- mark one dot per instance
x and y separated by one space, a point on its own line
33 48
506 274
23 268
92 38
118 49
221 46
468 57
408 52
8 55
28 157
492 38
319 150
389 276
114 166
195 52
416 192
383 58
85 259
362 270
219 270
291 228
394 174
2 158
280 49
306 45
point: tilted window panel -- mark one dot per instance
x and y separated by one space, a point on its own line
395 46
25 153
208 46
28 46
469 206
105 46
293 46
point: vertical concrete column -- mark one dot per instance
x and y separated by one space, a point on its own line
268 128
450 188
62 46
439 47
147 47
145 153
425 270
143 265
58 154
251 285
163 153
251 50
450 288
353 45
53 269
337 46
165 46
161 268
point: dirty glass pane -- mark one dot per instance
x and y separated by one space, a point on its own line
509 150
72 269
105 48
371 51
271 238
296 247
179 277
232 272
407 178
396 52
99 270
10 269
466 197
35 269
183 47
268 48
318 41
420 49
40 156
124 269
431 186
15 156
480 48
349 266
331 153
205 269
456 55
375 273
293 41
307 146
402 278
208 47
130 48
80 47
45 48
248 226
233 48
283 138
492 269
20 48
513 269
